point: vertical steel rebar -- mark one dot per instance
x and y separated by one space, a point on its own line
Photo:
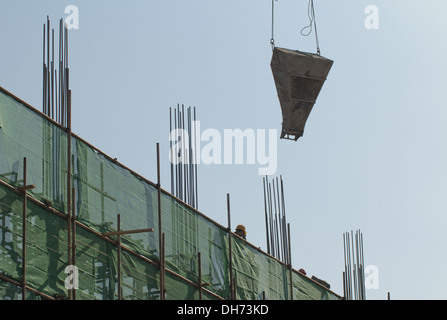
354 271
348 244
43 71
230 252
288 249
275 225
48 67
358 265
181 154
266 218
278 244
278 237
363 266
184 170
280 223
195 161
272 232
189 163
60 72
171 156
290 261
344 286
176 156
345 281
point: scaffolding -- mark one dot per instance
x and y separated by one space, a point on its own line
64 203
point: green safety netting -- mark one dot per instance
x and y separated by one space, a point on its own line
104 189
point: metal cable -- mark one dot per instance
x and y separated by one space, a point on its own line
312 20
272 39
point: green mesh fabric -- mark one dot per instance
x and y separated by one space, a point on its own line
105 189
46 246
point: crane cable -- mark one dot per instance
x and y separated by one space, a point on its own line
272 39
312 20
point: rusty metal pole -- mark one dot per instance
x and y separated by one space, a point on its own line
290 261
70 214
266 218
230 258
160 235
43 70
47 107
119 256
162 271
234 289
171 155
195 161
344 286
73 224
24 189
69 249
24 232
200 274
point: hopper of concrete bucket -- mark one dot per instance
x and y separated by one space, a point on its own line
299 77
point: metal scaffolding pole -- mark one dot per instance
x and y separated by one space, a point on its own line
230 253
119 232
24 190
199 270
24 233
73 218
160 234
119 257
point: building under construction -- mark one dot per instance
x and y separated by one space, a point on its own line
76 224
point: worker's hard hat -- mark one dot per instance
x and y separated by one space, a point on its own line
241 228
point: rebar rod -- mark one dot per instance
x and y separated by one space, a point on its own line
266 218
195 160
73 217
230 252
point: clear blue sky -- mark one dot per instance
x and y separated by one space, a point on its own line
374 152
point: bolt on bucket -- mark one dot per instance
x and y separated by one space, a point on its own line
299 77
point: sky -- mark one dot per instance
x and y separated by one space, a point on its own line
374 152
